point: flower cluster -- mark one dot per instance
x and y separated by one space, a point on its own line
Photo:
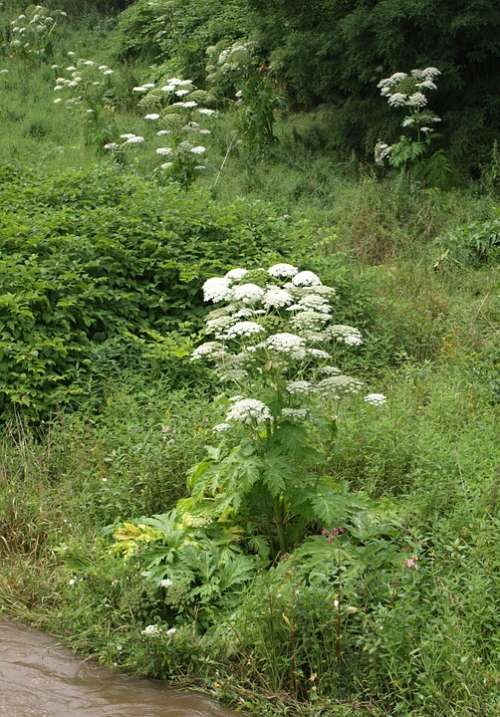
174 115
32 29
155 631
272 332
409 91
83 83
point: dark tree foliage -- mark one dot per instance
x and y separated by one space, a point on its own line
335 51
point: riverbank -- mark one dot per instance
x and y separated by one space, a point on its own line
383 600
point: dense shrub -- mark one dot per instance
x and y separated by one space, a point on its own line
179 29
93 257
336 52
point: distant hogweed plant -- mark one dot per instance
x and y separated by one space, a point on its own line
175 111
32 31
409 93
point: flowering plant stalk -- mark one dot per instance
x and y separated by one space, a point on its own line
32 31
409 92
272 338
177 117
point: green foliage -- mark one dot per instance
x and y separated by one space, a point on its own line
179 30
471 245
94 256
333 52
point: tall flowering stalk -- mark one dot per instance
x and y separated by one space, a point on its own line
175 134
31 32
273 337
409 92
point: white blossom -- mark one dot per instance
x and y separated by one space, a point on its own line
315 302
248 293
198 150
151 631
210 349
164 151
249 410
398 99
282 271
136 139
375 399
295 414
276 298
306 278
222 427
329 371
216 289
346 334
299 388
166 583
236 274
152 116
417 99
244 328
218 325
340 384
287 343
318 354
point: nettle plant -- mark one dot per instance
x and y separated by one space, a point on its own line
32 31
176 111
409 93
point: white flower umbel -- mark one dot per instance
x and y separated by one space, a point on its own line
210 349
346 334
338 385
244 328
287 343
166 583
249 411
151 631
295 414
282 271
375 399
218 325
236 274
276 298
248 293
299 388
306 278
216 289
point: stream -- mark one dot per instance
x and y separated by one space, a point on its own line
39 678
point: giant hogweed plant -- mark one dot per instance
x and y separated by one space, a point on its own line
32 32
175 133
409 92
261 487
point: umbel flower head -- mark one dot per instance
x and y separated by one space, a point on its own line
275 339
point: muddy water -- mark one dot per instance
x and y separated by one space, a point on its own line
40 679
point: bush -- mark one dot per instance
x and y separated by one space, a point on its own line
91 257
